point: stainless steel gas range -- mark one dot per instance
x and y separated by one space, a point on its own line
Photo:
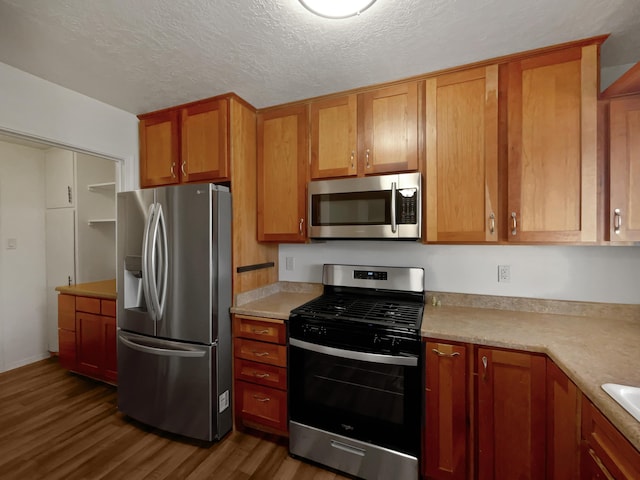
355 372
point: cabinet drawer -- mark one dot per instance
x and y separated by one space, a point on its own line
108 307
258 330
262 405
87 304
616 453
268 375
260 352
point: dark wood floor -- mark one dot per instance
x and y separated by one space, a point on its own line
57 425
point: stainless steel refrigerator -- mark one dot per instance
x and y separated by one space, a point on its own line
174 294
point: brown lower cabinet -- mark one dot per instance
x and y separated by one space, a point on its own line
605 453
494 413
260 374
87 336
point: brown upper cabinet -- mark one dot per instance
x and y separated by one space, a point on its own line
624 170
552 142
282 174
624 157
184 144
462 156
365 134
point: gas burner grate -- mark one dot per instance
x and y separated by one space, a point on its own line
364 308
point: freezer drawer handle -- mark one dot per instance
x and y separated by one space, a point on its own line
164 352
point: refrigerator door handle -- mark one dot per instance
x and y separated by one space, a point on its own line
164 256
153 271
146 274
163 352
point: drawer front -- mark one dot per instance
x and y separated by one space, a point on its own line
260 352
257 330
87 304
262 405
616 453
108 308
268 375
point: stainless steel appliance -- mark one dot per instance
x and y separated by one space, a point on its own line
355 372
174 295
375 207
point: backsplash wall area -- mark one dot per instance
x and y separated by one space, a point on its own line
581 273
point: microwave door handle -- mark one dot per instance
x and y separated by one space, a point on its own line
394 225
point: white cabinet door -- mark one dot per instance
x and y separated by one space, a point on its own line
59 178
61 265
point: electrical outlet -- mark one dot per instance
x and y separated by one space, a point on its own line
504 273
289 264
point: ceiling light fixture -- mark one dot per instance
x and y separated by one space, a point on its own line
337 8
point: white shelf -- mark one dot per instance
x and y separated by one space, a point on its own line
102 186
100 221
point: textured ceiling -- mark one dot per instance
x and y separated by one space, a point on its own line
142 55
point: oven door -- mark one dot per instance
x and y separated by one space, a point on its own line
369 397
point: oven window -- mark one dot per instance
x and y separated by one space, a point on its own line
359 208
372 402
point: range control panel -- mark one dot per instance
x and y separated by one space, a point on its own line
369 275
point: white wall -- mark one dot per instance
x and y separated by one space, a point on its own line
589 273
45 111
23 329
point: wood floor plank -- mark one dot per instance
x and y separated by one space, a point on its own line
56 425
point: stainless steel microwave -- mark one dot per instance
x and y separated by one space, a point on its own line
376 207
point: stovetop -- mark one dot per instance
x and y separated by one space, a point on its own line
372 308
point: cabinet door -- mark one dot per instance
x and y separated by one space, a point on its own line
334 132
552 132
445 446
67 331
159 149
60 170
205 153
388 131
110 338
624 224
462 156
511 415
282 174
89 343
563 425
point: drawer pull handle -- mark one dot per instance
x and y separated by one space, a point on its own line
443 354
261 375
261 399
260 332
261 354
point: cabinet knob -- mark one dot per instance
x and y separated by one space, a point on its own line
184 173
261 399
353 154
492 223
173 166
443 354
300 226
366 156
514 223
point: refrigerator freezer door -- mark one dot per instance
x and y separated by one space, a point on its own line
134 210
193 220
168 385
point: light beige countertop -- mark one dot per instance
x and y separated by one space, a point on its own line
592 343
103 289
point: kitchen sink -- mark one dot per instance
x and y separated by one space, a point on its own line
628 397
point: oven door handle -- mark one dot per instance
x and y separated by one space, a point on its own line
352 355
